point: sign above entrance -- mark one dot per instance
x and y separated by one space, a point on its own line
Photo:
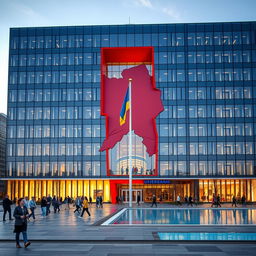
157 182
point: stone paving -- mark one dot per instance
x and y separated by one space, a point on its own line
66 234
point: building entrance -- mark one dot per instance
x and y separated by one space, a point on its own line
163 192
135 193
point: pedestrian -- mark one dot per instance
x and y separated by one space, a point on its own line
186 200
214 200
81 202
101 201
55 204
85 207
178 200
97 201
69 201
48 206
234 201
32 207
21 215
190 201
90 200
65 202
7 207
117 199
26 200
154 201
138 199
58 204
243 200
77 204
43 206
218 201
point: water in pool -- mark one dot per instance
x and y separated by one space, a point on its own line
202 236
196 216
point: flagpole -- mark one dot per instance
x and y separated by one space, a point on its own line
130 143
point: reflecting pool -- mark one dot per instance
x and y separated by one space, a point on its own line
196 216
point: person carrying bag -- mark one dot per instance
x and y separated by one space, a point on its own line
21 215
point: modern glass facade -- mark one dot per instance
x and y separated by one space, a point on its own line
207 76
2 151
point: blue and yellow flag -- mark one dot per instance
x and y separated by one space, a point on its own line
125 108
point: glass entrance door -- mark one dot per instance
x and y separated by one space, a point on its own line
135 194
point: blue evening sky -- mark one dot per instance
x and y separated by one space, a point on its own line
29 13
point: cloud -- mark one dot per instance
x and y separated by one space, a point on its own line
144 3
27 12
174 14
167 10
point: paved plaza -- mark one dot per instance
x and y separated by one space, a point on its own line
66 234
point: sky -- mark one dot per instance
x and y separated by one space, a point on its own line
32 13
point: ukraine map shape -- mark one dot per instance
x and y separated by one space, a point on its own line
146 106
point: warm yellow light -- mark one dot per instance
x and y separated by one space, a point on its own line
62 189
31 189
80 188
16 194
9 185
106 191
43 189
92 190
21 189
68 188
74 188
86 188
49 187
26 188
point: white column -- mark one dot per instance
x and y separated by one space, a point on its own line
130 143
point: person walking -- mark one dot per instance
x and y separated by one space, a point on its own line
58 204
61 200
48 206
32 207
101 201
26 200
90 200
243 200
55 204
85 207
214 200
138 199
43 206
154 201
69 201
190 201
186 200
21 215
97 201
160 199
7 207
78 204
234 201
65 201
218 201
178 200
